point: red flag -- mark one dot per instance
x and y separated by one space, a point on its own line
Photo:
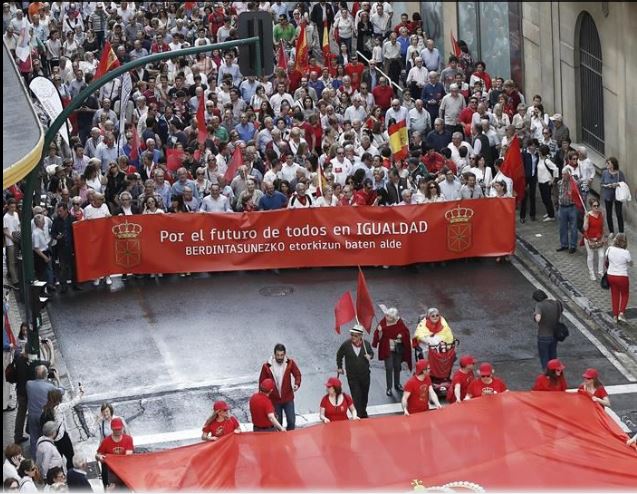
455 47
364 304
343 311
108 61
234 164
576 196
513 168
325 45
301 61
134 145
281 59
174 158
202 131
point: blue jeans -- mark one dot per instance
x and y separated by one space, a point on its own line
568 226
290 414
547 348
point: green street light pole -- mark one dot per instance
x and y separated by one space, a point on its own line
49 136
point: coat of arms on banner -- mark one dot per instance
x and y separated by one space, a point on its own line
128 247
459 230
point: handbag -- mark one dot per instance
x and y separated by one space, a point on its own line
560 331
596 244
604 281
622 192
10 374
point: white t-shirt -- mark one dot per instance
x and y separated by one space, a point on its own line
618 261
93 213
12 223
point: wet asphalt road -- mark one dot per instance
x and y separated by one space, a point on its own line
163 350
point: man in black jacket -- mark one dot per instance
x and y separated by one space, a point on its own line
531 159
77 478
62 233
357 354
395 187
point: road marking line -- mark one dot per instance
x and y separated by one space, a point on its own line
593 339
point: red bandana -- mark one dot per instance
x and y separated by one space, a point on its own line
434 327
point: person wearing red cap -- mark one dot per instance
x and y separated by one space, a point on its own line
220 423
593 387
488 384
262 409
461 380
419 391
394 347
117 443
335 403
553 379
287 379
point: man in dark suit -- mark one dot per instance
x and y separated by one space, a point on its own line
77 478
395 187
322 11
358 354
530 158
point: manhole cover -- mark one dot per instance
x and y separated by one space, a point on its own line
276 291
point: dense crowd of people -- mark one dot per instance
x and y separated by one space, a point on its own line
313 134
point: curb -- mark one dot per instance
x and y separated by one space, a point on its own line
597 316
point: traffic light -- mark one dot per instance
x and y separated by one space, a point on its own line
256 24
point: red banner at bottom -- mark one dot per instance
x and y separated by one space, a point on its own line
319 237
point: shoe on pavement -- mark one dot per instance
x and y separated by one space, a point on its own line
548 218
546 215
398 387
97 282
572 250
388 392
561 249
621 317
109 281
522 220
593 278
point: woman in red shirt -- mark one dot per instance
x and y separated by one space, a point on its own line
335 403
220 423
553 379
594 238
593 388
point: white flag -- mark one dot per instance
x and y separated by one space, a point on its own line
50 100
127 88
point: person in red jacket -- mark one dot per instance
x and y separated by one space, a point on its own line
262 409
354 70
419 391
287 378
461 380
394 347
488 384
553 379
220 423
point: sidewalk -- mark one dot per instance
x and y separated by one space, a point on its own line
538 242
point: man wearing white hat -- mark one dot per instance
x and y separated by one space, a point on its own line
357 354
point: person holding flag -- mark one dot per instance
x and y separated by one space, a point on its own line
357 354
569 203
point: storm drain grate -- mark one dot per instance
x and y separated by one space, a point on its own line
276 291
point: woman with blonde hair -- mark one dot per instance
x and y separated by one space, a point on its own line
220 423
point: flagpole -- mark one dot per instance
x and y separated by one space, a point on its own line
378 70
122 116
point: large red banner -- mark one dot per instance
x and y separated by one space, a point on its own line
515 441
319 237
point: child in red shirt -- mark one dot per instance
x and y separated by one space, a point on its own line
487 384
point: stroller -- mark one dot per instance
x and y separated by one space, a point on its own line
441 358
